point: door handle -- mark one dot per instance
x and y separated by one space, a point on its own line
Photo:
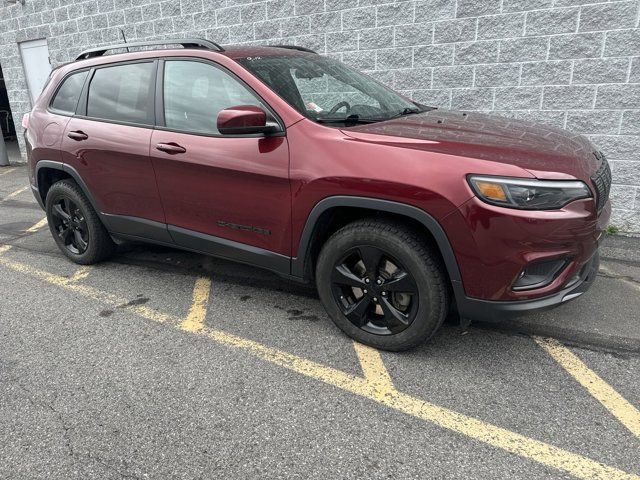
170 148
77 135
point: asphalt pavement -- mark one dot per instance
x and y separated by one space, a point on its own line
166 364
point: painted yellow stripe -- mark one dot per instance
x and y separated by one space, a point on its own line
544 453
4 249
373 368
80 274
198 311
613 274
619 407
89 292
8 170
37 226
577 465
14 194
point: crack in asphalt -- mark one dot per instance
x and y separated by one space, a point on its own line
36 401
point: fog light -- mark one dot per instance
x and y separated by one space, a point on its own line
539 274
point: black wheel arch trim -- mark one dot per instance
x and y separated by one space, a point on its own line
73 173
298 264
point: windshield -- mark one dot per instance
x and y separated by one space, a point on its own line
328 91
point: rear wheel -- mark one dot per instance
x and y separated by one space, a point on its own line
382 284
75 226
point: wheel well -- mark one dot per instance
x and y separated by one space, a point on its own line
333 219
47 177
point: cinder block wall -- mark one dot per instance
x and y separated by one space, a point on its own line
571 63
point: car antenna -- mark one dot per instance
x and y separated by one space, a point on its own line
124 38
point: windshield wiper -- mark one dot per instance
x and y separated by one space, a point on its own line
406 111
350 120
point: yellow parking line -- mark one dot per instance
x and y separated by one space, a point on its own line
14 194
80 274
619 407
613 274
4 248
541 452
90 292
374 369
37 226
198 311
8 170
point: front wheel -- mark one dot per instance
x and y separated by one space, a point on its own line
382 285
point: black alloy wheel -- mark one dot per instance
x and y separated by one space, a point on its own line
70 225
374 291
75 225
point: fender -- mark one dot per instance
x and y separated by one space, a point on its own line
430 223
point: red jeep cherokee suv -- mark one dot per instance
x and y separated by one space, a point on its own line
288 160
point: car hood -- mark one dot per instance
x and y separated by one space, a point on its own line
544 151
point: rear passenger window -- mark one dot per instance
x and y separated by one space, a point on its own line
66 100
122 93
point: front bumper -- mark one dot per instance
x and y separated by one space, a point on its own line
488 310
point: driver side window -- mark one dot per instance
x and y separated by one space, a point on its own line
195 92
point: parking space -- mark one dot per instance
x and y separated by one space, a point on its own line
166 364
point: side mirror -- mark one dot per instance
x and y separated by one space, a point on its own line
243 119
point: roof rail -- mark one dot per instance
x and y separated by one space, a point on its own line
185 42
295 47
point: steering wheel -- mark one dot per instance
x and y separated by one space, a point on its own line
338 106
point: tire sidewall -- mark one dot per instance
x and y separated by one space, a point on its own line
430 314
61 190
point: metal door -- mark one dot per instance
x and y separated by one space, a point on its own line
35 60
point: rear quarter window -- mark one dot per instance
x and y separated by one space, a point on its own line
66 98
122 93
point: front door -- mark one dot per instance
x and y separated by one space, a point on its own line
220 193
107 143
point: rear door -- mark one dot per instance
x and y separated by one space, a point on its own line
219 187
107 142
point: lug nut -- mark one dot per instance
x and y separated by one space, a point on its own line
366 280
378 281
375 299
365 291
384 294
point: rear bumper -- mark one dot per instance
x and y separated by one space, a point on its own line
488 310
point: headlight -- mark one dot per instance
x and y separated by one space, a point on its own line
528 194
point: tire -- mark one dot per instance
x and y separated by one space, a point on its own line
423 306
77 214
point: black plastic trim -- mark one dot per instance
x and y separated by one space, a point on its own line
36 193
221 247
136 226
493 311
298 263
73 173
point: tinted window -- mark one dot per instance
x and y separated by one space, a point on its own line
66 100
122 93
195 92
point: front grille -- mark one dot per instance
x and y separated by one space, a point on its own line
602 181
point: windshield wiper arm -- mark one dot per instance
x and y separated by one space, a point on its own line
406 111
351 119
